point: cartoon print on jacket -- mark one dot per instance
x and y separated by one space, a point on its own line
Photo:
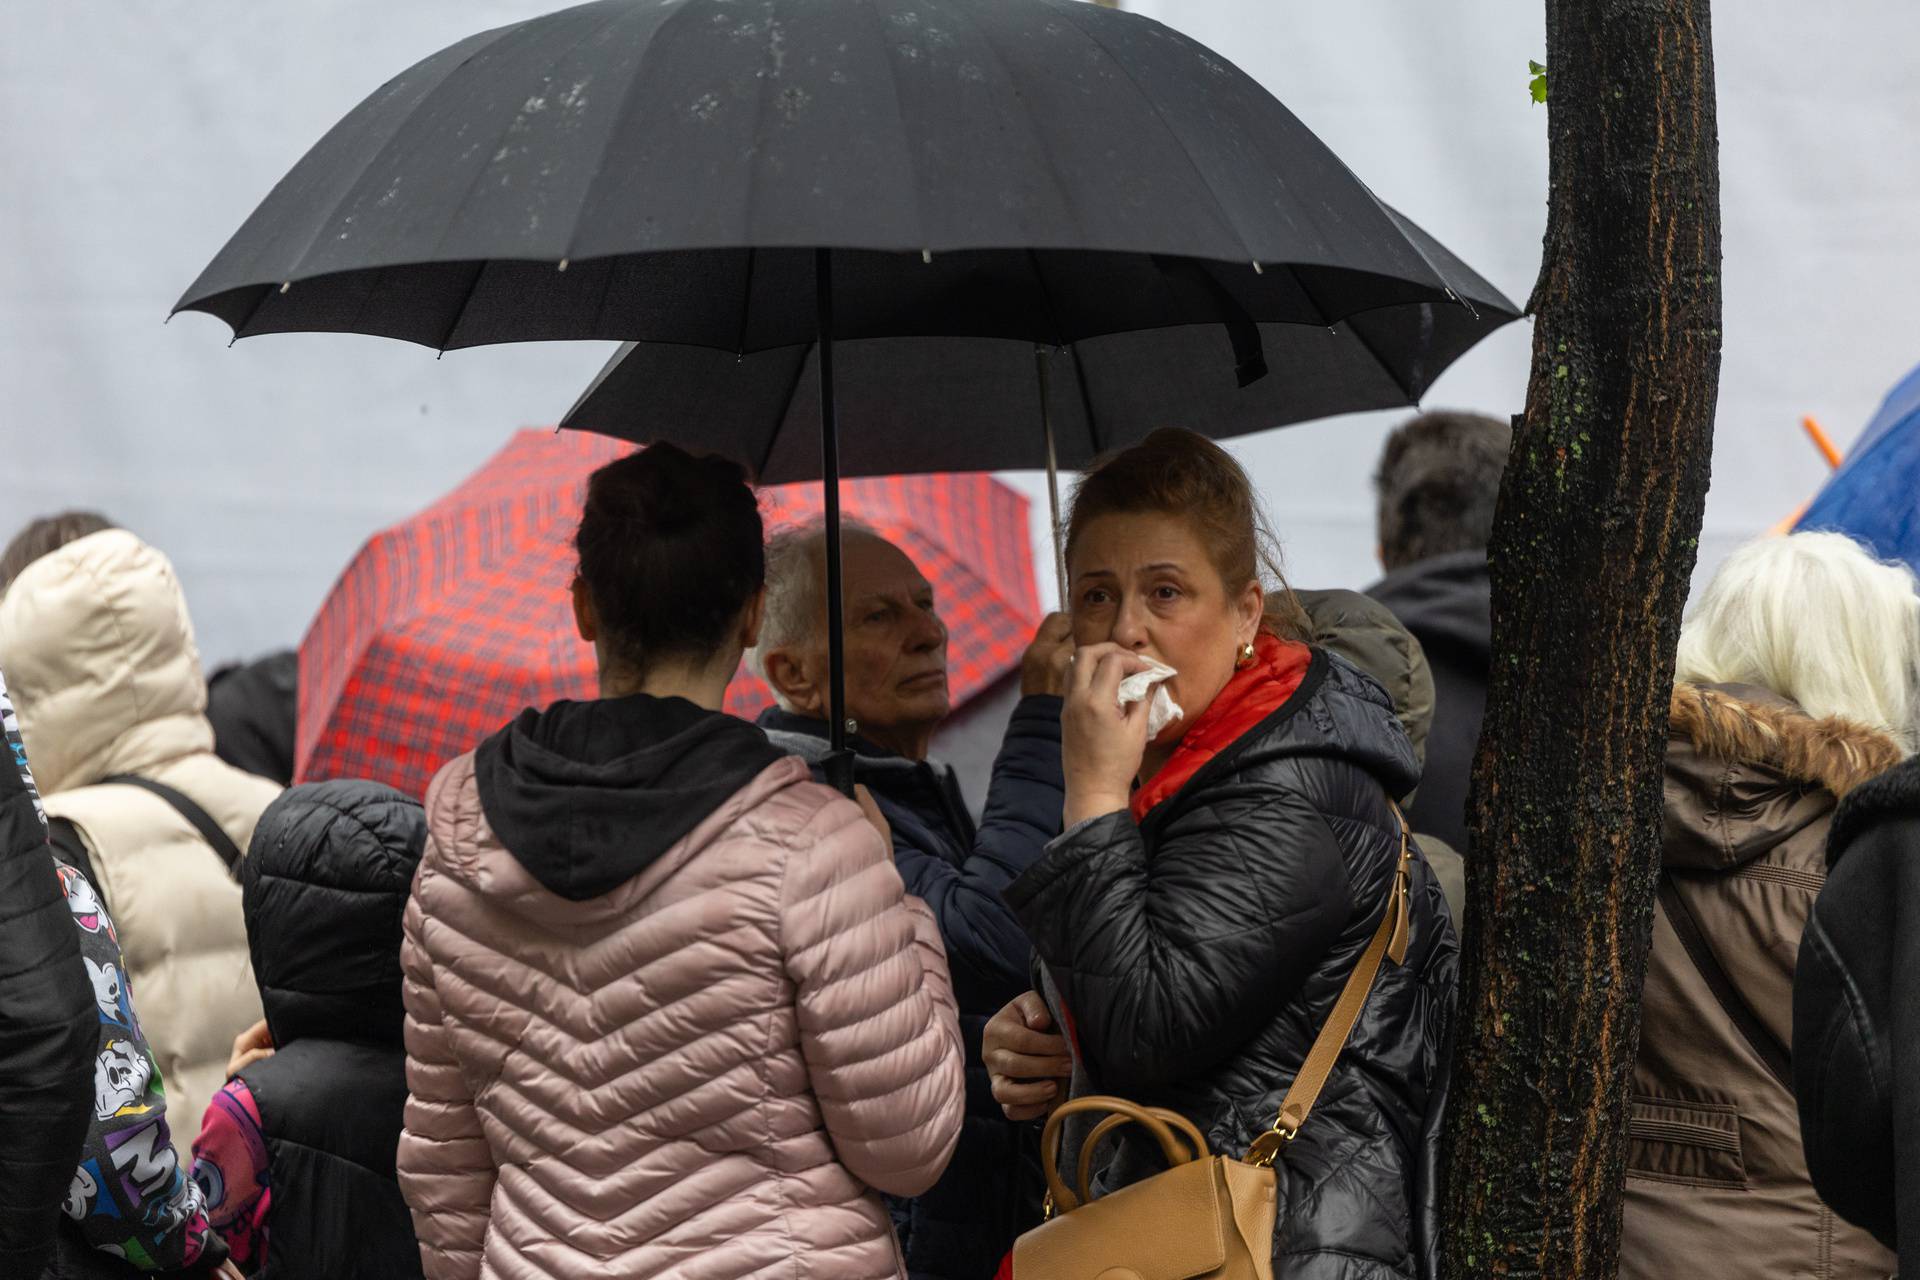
83 1191
128 1193
84 902
110 993
120 1080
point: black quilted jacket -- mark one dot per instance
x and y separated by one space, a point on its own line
49 1025
1198 954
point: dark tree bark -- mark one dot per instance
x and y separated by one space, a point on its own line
1595 540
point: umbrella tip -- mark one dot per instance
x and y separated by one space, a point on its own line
564 263
1257 268
285 285
926 255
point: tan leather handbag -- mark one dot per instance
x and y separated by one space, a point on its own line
1208 1217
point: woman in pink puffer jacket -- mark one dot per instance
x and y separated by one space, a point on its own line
670 1010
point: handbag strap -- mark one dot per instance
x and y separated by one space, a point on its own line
1389 940
1773 1055
198 818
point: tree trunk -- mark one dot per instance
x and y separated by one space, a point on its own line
1595 540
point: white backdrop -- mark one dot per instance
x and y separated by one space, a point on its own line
135 137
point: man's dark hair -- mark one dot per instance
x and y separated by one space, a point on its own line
671 551
45 536
1438 480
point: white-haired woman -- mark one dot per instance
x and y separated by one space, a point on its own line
1797 679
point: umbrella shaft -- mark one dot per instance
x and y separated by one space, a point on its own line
1053 476
839 762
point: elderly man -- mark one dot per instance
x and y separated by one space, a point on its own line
896 670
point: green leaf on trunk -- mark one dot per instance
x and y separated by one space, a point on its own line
1538 85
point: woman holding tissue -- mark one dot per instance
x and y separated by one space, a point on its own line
1222 875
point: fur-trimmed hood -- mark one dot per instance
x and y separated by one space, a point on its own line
1746 769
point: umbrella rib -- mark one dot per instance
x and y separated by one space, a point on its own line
1086 401
900 117
473 183
399 127
1246 251
626 95
746 306
1367 346
1046 296
460 312
773 437
1026 120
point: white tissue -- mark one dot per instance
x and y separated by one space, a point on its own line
1163 710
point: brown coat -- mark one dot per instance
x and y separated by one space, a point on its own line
1716 1182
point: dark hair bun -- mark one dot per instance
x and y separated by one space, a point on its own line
671 550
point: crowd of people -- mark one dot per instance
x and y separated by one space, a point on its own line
631 992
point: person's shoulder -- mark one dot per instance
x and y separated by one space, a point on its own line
1887 805
457 826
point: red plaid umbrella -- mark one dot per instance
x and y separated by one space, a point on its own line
446 625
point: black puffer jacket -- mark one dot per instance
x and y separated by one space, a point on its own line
1199 953
325 884
1856 1025
49 1025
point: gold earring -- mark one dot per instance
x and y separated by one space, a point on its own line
1246 656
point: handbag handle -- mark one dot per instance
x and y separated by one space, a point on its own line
1121 1119
1389 940
1064 1201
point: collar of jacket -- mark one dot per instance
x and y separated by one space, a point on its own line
920 787
1746 769
1894 796
1252 695
1446 600
806 737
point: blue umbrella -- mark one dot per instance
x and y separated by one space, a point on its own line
1875 495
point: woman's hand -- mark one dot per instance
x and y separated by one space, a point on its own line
1048 659
1101 742
1029 1065
249 1047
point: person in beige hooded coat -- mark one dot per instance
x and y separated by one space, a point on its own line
101 660
670 1011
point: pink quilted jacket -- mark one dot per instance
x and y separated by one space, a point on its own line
703 1073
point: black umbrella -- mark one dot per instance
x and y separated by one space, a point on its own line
750 175
987 403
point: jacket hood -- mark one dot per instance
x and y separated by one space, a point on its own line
586 795
100 656
324 885
1365 633
1746 769
1445 600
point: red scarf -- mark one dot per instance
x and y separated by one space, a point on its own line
1255 692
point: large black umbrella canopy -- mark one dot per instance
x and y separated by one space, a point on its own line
1050 156
752 175
910 404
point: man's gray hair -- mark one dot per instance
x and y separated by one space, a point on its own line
1438 483
796 591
